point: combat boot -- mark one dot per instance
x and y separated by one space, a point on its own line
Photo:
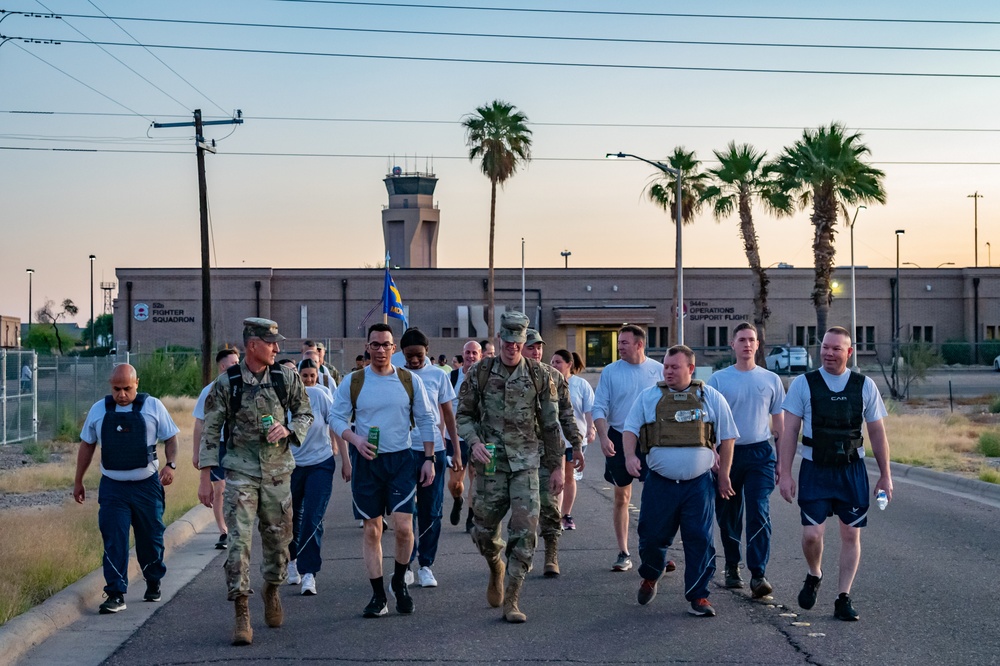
243 633
274 616
551 558
494 592
511 596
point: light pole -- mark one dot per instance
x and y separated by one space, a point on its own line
854 295
895 331
30 272
93 326
565 255
975 196
989 256
946 263
679 260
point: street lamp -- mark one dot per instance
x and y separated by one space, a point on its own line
946 263
854 295
989 258
565 255
93 327
895 331
30 272
678 263
975 196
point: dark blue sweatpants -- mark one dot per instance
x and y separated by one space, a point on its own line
666 506
752 476
427 519
311 489
135 504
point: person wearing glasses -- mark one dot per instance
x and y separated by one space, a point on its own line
385 475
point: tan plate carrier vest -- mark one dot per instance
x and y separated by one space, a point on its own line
666 431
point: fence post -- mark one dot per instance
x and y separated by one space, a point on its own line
3 395
34 396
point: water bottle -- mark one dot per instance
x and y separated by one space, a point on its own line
882 500
687 415
577 475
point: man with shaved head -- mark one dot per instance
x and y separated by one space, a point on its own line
127 425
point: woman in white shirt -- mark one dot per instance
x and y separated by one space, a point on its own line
581 394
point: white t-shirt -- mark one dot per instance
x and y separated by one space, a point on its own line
798 402
688 462
620 384
581 394
159 426
317 446
753 395
384 403
437 385
454 403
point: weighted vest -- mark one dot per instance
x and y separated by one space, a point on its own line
667 431
836 420
123 437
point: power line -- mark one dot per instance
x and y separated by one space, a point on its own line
428 121
542 63
436 157
605 40
582 12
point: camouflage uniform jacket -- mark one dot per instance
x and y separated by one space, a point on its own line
566 418
248 450
508 412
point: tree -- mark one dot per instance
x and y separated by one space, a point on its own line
663 192
738 181
824 169
47 315
103 330
39 338
498 135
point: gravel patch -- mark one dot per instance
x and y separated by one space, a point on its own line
17 501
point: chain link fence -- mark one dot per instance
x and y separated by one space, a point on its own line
18 396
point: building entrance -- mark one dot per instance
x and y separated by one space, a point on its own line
601 348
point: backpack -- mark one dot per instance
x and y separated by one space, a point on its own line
358 380
235 374
454 377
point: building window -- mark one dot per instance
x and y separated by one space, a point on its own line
923 334
864 339
805 336
449 331
716 336
658 336
992 333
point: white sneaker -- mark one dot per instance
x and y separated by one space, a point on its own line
408 576
293 574
426 577
308 585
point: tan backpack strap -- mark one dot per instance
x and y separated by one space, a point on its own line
406 379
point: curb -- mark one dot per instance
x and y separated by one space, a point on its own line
940 480
60 610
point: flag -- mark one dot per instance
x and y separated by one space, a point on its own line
392 302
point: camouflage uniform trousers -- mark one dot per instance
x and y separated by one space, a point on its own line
550 515
492 497
270 500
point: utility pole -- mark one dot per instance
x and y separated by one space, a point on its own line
206 273
975 196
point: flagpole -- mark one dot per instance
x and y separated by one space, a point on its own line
523 311
385 295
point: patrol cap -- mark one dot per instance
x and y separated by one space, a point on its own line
513 326
265 329
533 338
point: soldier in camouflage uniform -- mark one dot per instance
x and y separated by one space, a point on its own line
258 465
510 402
550 516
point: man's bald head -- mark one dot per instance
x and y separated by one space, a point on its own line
124 384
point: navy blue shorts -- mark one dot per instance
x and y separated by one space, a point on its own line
569 453
385 485
615 471
217 474
825 491
463 446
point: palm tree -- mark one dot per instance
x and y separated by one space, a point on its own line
824 169
498 135
663 192
738 181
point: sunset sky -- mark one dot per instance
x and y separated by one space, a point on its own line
300 183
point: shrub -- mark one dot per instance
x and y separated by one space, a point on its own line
165 374
989 475
989 443
957 352
995 404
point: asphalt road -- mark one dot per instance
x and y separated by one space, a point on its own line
926 593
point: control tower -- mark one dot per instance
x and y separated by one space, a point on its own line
410 221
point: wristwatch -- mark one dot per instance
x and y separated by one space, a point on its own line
429 458
171 464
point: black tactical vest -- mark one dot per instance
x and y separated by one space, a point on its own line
836 420
123 437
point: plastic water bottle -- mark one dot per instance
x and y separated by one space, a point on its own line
882 500
577 475
688 415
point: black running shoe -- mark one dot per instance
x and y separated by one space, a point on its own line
844 610
152 590
468 521
404 602
377 607
223 542
810 588
456 511
114 603
734 581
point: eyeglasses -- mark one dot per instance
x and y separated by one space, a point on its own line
375 346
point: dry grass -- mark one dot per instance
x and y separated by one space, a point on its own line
44 549
940 442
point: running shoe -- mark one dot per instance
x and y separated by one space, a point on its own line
456 510
377 607
293 574
115 603
152 590
810 588
701 608
843 609
308 585
623 563
647 591
568 523
426 577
